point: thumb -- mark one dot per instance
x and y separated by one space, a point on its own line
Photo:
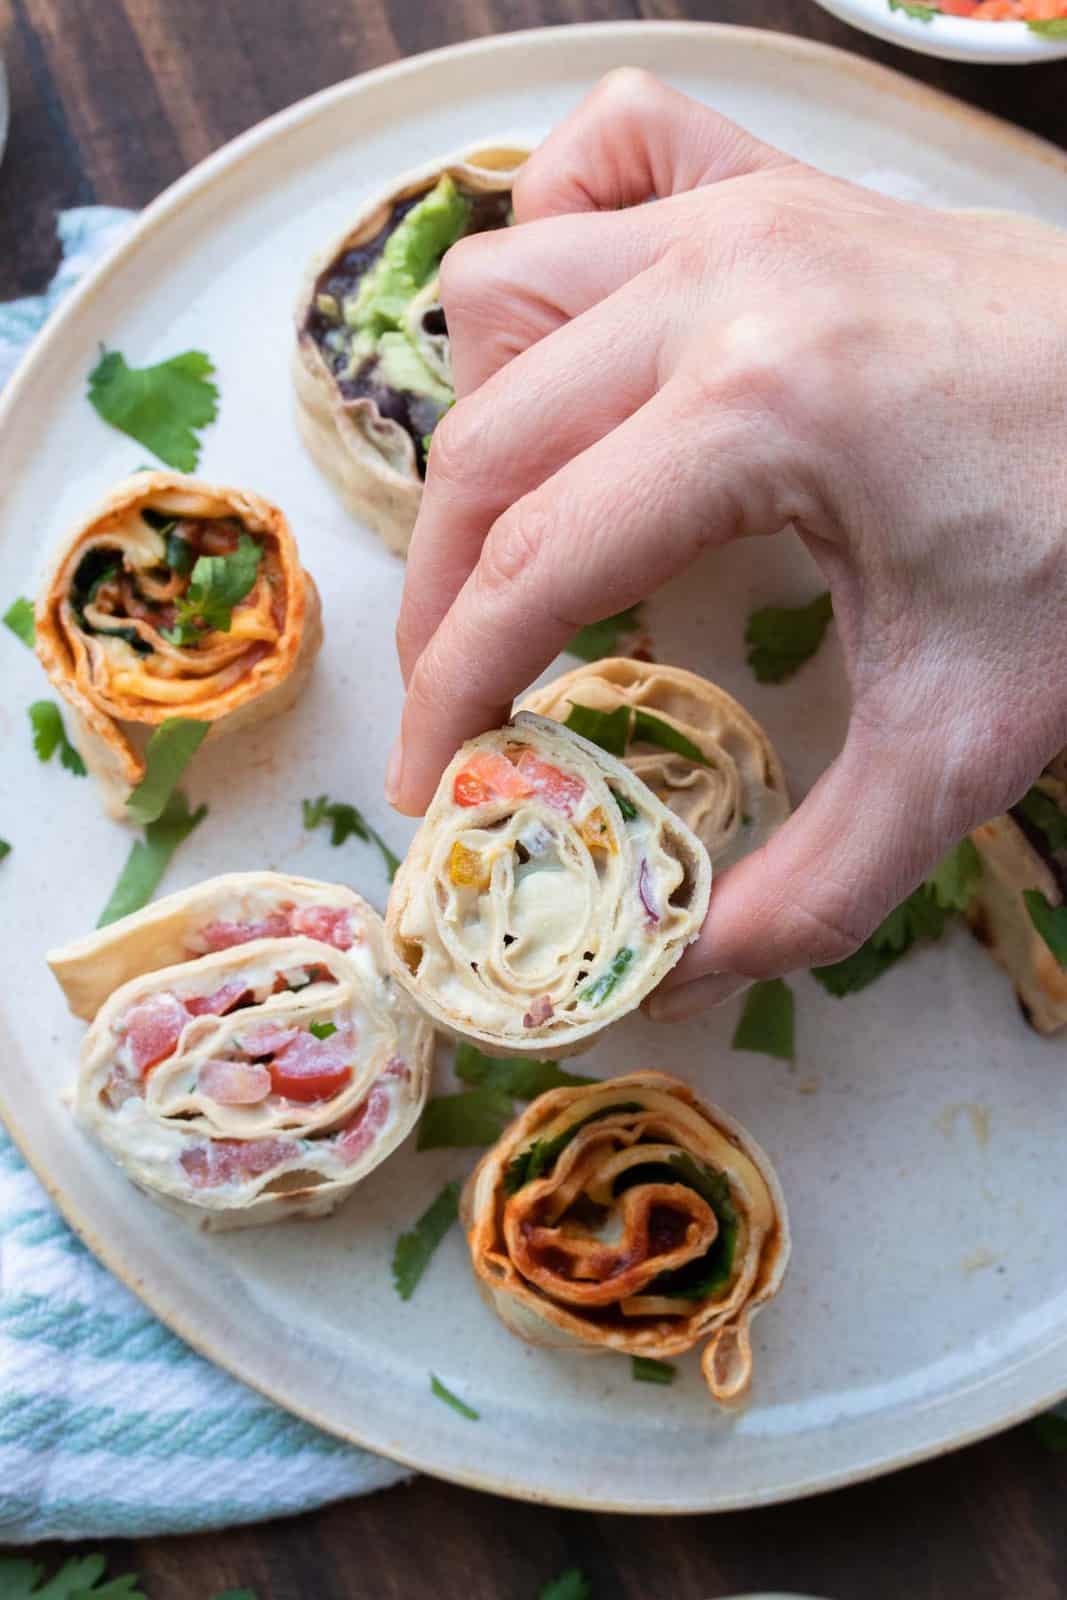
871 828
631 139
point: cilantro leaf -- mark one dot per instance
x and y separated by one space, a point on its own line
864 966
1051 1429
453 1400
5 849
19 618
912 9
541 1156
1042 812
1051 27
216 585
608 729
77 1579
456 1121
766 1023
162 407
323 1030
167 754
597 991
700 1279
600 639
149 858
644 1370
1050 922
782 638
415 1248
954 881
49 735
653 730
570 1585
628 809
345 822
522 1080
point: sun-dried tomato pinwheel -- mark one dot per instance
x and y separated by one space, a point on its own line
546 893
630 1216
174 599
690 741
372 371
259 1081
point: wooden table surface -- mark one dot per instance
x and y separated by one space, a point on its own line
112 99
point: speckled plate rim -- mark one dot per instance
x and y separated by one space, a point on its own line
1025 1390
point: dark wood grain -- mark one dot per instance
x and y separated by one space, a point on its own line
113 99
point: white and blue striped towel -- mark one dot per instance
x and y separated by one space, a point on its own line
109 1424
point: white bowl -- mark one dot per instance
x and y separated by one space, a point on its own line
954 38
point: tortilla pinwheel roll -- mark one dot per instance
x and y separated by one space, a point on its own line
546 893
630 1216
174 599
694 746
372 370
262 1079
1024 870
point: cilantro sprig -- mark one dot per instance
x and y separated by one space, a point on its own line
767 1022
1041 811
163 407
346 822
415 1248
216 585
49 735
5 849
643 1369
150 857
541 1156
781 638
19 618
1050 27
923 915
911 8
167 754
477 1116
522 1080
79 1578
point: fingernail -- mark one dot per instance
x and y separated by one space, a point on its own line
394 771
677 1005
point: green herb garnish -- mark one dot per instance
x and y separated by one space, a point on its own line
570 1585
644 1370
181 557
216 585
766 1025
5 849
600 639
608 729
347 822
167 754
453 1400
923 915
1051 1429
911 9
522 1080
1050 922
457 1121
653 730
77 1579
415 1248
597 991
699 1280
782 638
541 1156
19 618
1051 27
628 809
1042 812
322 1030
49 735
162 407
149 858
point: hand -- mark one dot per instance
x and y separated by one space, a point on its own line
759 347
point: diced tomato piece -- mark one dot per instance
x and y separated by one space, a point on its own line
219 1161
219 1003
224 935
234 1083
364 1125
267 1039
488 775
330 925
558 790
313 1069
153 1028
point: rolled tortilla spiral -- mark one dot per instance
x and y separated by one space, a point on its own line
630 1216
546 893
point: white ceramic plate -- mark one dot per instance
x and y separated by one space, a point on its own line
926 1303
953 38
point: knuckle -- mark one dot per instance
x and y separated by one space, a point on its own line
458 440
830 929
628 87
463 271
513 547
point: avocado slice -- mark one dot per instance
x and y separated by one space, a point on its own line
411 255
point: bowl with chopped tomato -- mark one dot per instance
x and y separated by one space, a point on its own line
992 31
